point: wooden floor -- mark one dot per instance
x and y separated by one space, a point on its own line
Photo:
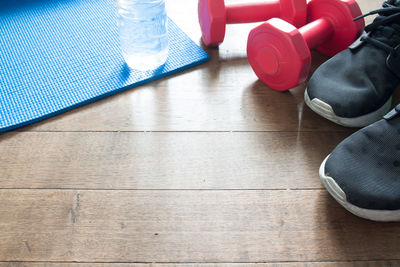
207 167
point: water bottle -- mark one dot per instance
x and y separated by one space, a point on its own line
143 33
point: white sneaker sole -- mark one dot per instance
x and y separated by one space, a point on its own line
325 110
338 194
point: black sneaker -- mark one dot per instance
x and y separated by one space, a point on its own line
355 87
363 172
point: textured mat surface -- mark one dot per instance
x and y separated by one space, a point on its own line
56 55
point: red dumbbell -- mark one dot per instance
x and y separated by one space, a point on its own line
214 15
280 54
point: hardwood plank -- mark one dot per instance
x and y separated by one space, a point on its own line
128 160
221 95
217 96
286 264
187 226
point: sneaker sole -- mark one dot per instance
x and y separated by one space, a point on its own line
325 110
339 195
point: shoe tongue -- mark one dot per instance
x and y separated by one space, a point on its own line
387 33
395 2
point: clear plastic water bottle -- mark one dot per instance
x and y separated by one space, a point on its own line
143 32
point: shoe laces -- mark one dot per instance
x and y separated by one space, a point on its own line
393 113
389 16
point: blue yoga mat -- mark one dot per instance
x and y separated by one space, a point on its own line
56 55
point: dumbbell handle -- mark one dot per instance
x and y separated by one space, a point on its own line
317 32
247 13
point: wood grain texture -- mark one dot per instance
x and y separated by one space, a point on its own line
221 95
187 226
125 160
275 264
195 101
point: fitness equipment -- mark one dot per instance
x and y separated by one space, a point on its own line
280 54
214 15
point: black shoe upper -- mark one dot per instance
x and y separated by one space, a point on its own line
366 165
358 81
